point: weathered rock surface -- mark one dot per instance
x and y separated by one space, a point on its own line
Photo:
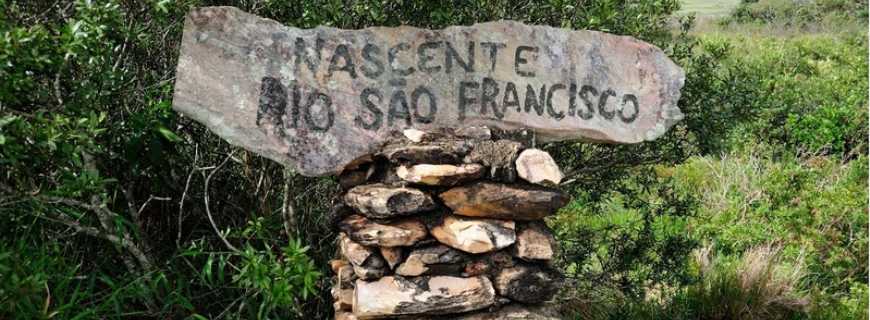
343 299
344 274
442 152
487 264
393 256
512 312
527 283
435 260
493 200
396 233
440 174
499 156
380 201
317 99
534 242
367 264
475 235
393 296
537 166
345 316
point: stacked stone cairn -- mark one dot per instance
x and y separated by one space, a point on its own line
447 225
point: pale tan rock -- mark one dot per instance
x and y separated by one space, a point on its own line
474 133
440 174
394 296
433 152
393 256
437 259
502 201
366 263
345 316
534 242
527 283
396 233
474 235
344 275
343 299
380 201
537 166
414 135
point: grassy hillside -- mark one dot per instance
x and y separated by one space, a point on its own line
707 8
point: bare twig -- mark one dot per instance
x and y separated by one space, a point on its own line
208 210
184 195
287 210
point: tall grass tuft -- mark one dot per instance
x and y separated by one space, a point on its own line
756 286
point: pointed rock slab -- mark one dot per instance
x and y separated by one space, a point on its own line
440 174
395 296
367 264
393 256
493 200
534 242
435 260
474 235
538 167
379 201
316 99
397 233
527 283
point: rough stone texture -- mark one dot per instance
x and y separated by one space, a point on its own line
343 299
537 166
352 178
393 256
393 296
440 174
475 235
367 264
270 89
344 274
526 283
534 242
345 316
499 156
493 200
380 201
397 233
440 152
433 260
487 264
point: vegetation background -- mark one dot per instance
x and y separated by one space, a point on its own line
753 207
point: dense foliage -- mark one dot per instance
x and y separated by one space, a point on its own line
113 206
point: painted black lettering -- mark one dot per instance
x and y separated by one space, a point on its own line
572 99
297 101
376 113
493 52
301 53
374 66
325 106
391 58
399 109
550 110
519 60
602 103
424 57
585 92
415 103
534 102
451 55
488 92
342 52
633 99
272 104
466 99
511 98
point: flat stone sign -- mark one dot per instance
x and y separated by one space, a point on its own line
317 99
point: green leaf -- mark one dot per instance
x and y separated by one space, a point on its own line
168 134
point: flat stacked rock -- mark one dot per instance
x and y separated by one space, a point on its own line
447 225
